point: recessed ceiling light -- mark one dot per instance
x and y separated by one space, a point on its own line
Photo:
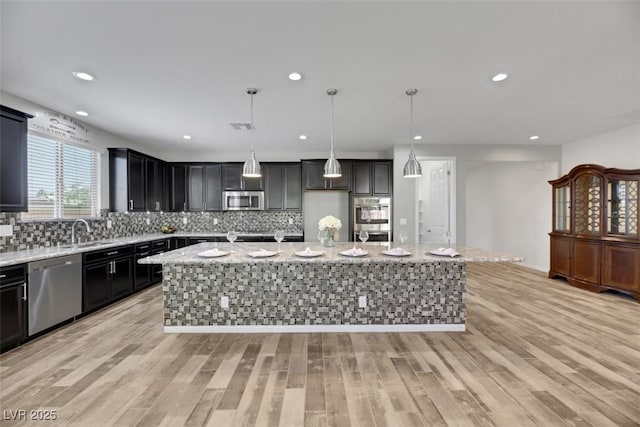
303 137
82 113
534 137
295 76
499 77
417 137
83 76
186 136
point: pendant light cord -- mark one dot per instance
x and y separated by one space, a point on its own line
252 128
411 121
332 124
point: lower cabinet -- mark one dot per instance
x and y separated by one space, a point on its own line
106 276
177 243
623 267
13 309
142 272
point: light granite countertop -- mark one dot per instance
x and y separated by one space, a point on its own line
30 255
240 254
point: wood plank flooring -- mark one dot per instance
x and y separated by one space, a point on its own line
536 352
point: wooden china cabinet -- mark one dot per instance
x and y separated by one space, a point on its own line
595 243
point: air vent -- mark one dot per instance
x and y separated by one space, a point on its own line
241 126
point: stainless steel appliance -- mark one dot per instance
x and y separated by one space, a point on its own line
243 201
372 214
54 291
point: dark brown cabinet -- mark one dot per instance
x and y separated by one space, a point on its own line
205 187
232 179
313 171
178 178
595 242
12 306
142 272
373 178
283 186
137 182
107 275
13 160
156 197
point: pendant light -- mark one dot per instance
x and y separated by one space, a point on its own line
412 168
332 168
251 168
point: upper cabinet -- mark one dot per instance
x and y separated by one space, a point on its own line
313 179
13 160
595 242
283 186
178 187
205 187
372 178
232 179
137 182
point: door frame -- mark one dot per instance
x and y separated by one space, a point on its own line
451 196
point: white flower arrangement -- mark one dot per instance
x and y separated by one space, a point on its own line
329 222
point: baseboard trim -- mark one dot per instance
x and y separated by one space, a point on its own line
243 329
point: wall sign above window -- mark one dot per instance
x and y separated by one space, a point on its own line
59 126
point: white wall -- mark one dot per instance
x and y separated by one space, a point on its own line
509 208
616 149
467 157
100 139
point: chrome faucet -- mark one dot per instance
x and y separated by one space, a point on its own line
73 229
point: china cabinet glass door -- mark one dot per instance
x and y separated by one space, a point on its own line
587 204
562 220
622 207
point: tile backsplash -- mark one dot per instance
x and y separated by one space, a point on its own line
39 234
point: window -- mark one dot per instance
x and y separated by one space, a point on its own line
64 180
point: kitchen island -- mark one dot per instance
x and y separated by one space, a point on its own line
328 293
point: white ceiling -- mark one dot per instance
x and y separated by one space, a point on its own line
166 68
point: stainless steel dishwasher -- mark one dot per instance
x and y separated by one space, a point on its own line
54 291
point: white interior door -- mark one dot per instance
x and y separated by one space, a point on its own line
435 222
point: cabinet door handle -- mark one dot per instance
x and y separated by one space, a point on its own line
157 206
114 267
24 291
112 253
2 276
143 247
184 206
130 205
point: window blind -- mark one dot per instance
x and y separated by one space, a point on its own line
63 180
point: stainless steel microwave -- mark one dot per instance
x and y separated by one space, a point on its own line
243 201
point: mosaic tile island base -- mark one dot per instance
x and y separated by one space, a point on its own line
287 293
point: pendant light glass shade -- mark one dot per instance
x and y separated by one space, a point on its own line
332 168
251 168
412 168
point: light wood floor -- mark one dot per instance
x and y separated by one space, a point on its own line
536 352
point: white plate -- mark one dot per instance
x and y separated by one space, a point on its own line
354 254
450 255
262 254
392 253
213 253
309 254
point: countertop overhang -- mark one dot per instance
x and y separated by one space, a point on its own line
419 253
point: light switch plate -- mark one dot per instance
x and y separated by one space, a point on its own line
184 220
403 221
109 223
215 221
148 221
224 302
290 221
6 230
362 301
